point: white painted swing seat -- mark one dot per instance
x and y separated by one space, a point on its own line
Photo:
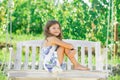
29 67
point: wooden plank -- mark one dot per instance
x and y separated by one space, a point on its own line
97 56
76 55
64 74
10 58
90 57
17 65
33 57
26 57
57 78
23 78
105 50
83 55
68 64
40 60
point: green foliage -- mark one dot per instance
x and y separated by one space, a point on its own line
3 18
117 6
26 19
78 19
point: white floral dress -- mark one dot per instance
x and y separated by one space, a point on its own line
49 59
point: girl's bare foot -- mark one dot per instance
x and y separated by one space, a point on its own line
80 67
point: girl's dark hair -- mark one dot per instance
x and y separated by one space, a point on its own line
48 25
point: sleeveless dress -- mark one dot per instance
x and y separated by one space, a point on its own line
50 60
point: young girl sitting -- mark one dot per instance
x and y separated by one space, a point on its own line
53 49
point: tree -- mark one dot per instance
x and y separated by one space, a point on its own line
78 19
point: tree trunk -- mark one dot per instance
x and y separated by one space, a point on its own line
115 38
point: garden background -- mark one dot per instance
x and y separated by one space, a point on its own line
93 20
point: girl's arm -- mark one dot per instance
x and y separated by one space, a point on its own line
56 41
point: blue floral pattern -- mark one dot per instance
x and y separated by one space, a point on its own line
49 58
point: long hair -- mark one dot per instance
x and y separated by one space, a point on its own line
48 25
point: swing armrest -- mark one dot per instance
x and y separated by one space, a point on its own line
103 58
105 50
11 57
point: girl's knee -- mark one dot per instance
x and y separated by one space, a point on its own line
61 48
70 51
67 51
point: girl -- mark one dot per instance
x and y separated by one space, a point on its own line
54 48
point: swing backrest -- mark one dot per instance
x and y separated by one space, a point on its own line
27 55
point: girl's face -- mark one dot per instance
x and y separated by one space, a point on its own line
55 30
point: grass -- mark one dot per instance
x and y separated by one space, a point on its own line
117 77
4 53
2 76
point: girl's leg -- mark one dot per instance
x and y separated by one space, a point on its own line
70 55
60 53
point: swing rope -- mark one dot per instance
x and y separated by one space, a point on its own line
4 52
112 33
10 25
4 65
110 29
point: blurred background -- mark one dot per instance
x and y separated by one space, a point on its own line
93 20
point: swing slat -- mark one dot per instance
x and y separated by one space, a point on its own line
17 64
90 57
33 57
83 55
26 58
